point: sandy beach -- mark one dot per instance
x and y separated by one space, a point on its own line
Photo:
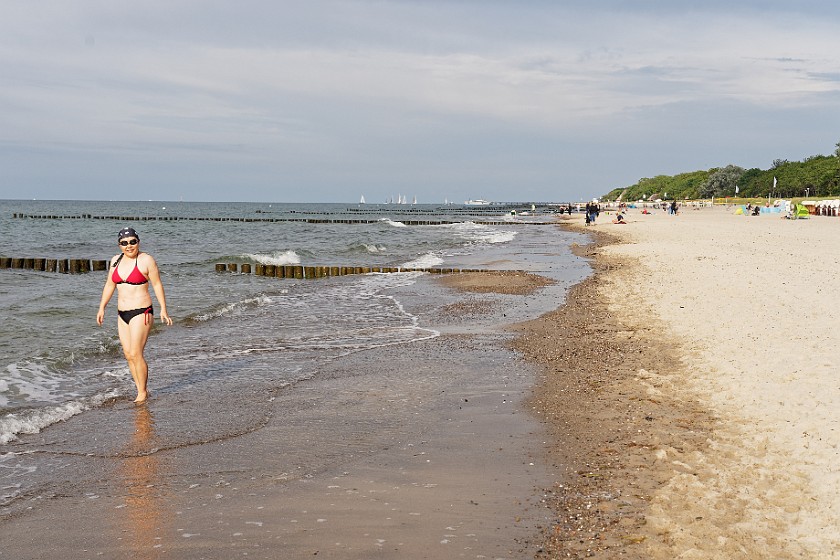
694 381
682 403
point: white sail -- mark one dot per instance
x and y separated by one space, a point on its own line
362 201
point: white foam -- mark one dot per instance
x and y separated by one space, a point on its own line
424 261
391 222
278 258
370 248
33 421
115 374
479 233
231 307
31 379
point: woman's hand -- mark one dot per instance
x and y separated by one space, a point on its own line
100 316
165 318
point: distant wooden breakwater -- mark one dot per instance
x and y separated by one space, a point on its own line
307 272
81 266
265 220
64 266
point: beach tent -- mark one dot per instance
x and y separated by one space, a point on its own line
800 211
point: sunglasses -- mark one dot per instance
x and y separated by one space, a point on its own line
129 242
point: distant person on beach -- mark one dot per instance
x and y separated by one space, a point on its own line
130 274
619 219
592 211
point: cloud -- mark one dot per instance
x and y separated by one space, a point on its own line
273 84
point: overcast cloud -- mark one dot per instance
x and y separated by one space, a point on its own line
327 101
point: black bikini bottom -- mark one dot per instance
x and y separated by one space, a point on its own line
127 316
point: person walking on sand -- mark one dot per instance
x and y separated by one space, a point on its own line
130 274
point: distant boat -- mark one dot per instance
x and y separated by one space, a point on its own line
477 202
363 200
414 200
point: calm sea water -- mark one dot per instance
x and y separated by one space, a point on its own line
233 334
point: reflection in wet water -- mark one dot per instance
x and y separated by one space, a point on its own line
143 512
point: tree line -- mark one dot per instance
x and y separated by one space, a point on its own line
815 176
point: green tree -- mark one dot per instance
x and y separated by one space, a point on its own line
722 182
816 175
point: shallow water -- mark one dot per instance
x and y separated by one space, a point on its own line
237 341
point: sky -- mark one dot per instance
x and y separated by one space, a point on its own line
328 101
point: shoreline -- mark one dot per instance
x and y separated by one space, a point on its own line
425 451
604 424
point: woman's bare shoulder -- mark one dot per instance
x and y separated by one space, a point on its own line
146 260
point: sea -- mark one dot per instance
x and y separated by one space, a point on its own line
233 334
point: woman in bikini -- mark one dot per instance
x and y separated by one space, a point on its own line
130 274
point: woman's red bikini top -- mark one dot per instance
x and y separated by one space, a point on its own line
136 277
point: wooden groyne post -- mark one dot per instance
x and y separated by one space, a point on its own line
487 222
311 272
64 266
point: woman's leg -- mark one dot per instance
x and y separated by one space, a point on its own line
133 337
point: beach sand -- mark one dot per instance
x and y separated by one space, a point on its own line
692 386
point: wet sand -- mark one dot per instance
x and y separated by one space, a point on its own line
604 426
424 450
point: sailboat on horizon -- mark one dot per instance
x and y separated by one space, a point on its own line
362 201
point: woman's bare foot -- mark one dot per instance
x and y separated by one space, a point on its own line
141 397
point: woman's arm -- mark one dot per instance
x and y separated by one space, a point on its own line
157 285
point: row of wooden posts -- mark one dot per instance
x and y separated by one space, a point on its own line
299 271
66 266
267 220
79 266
